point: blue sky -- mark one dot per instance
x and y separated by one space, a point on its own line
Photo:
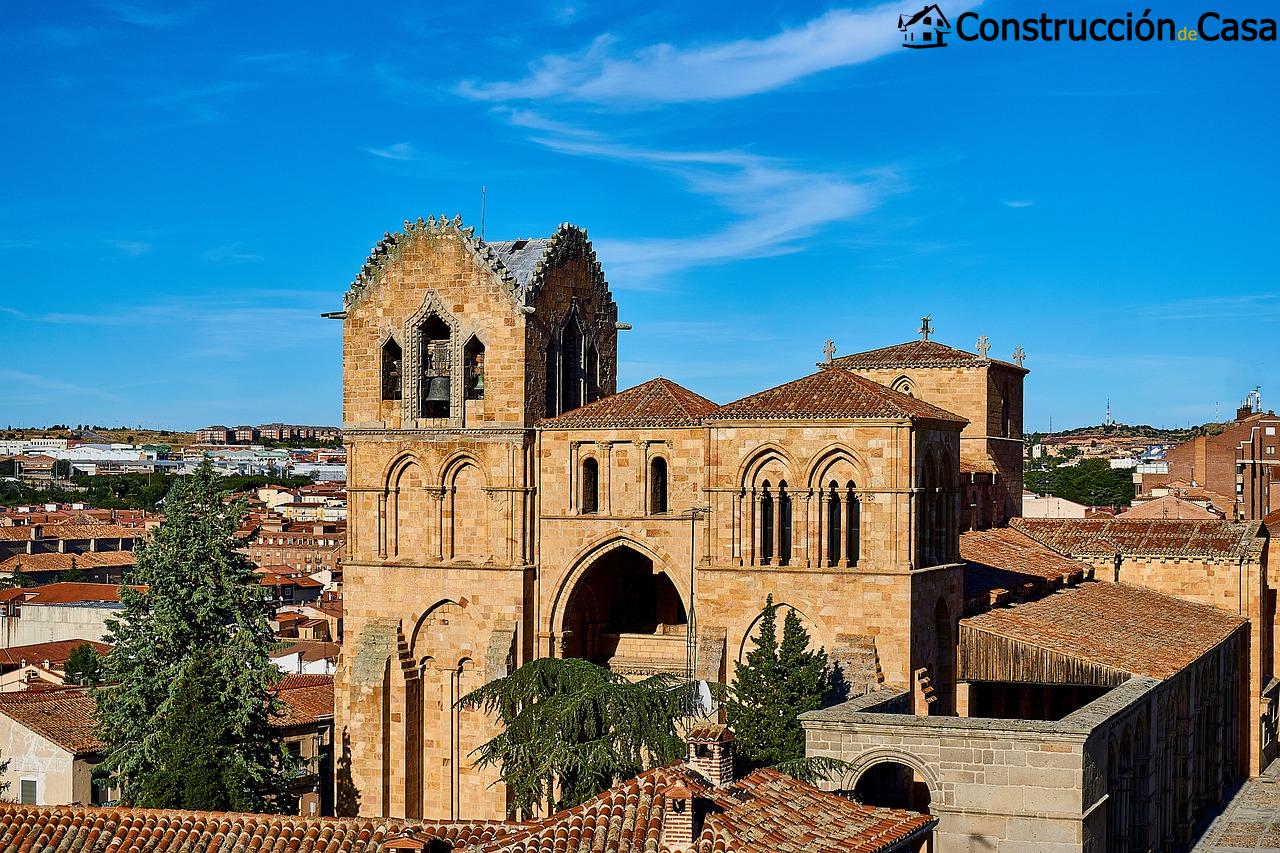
186 187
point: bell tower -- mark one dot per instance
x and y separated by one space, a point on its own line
453 349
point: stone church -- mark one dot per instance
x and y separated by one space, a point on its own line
508 503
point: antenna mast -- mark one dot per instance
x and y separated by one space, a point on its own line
483 190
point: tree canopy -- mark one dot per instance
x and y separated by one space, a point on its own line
572 728
776 682
83 666
1092 482
197 634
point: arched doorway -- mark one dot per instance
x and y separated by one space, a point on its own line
891 784
624 614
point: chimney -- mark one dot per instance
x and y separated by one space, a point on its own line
711 752
677 818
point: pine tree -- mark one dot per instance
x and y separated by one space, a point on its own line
201 622
777 682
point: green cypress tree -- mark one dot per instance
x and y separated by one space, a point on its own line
201 620
775 683
83 666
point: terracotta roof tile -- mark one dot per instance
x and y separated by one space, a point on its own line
56 652
1156 537
1169 506
1003 558
831 393
656 403
73 593
74 829
1127 628
917 354
62 562
65 717
74 531
308 699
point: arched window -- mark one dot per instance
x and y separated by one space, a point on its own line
853 525
392 370
903 385
784 524
571 365
658 485
553 380
473 369
434 368
834 513
766 524
590 486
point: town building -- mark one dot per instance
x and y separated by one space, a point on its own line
43 552
56 612
40 664
314 547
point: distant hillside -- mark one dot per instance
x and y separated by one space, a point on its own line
1132 431
105 435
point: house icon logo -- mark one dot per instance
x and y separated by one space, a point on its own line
926 28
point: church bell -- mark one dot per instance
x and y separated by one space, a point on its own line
437 389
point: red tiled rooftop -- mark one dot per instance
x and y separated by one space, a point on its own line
63 562
65 717
1169 506
72 593
1126 628
56 652
308 699
656 403
73 531
1005 558
1155 537
832 393
92 830
916 354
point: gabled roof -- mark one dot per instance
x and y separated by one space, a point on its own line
55 561
1168 506
518 264
72 593
918 354
833 393
656 403
56 652
918 15
1003 558
1128 629
308 699
1166 537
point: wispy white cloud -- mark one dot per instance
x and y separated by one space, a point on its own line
398 151
154 17
773 203
131 248
1018 204
665 73
230 253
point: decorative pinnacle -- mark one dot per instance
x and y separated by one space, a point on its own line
829 350
984 346
1018 356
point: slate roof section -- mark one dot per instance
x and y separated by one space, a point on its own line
832 394
1126 628
75 829
1005 558
1169 537
657 403
521 256
65 717
917 354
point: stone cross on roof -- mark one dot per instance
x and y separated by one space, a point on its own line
829 350
926 329
1018 356
984 346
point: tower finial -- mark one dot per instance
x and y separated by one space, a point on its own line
984 346
926 328
1018 355
829 350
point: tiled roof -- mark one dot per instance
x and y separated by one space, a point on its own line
656 403
65 717
1126 628
311 650
977 463
1169 506
1005 558
56 652
831 393
765 812
73 531
72 593
917 354
308 699
61 562
1153 537
74 829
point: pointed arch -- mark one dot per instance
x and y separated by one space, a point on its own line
593 551
904 385
431 354
760 457
818 471
779 607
